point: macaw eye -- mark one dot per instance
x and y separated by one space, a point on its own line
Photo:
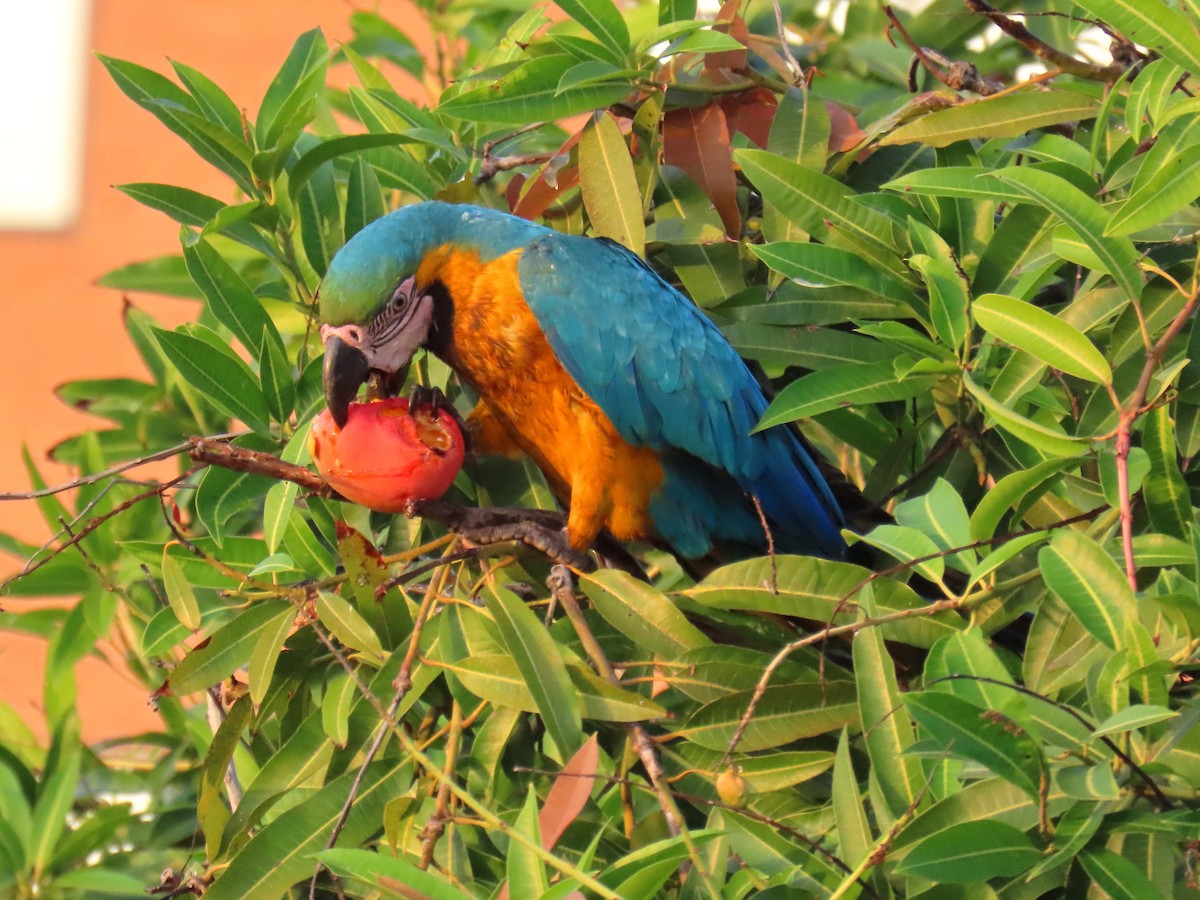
394 315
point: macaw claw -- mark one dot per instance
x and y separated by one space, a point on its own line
422 395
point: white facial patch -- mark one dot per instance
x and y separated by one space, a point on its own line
395 334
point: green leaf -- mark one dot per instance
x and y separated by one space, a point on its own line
1088 581
166 275
100 881
265 654
703 41
1165 491
319 211
210 808
1119 878
777 348
1076 827
849 811
280 854
675 11
785 713
824 208
1082 215
216 105
988 738
1006 115
223 379
275 373
817 589
377 870
1133 717
525 870
609 185
1008 492
335 707
1048 440
299 82
185 206
906 545
965 182
838 386
1094 782
497 678
941 514
1041 334
1172 188
348 626
948 299
1160 27
643 614
364 198
541 666
821 266
332 148
229 298
887 725
530 94
971 853
179 593
57 794
603 20
228 648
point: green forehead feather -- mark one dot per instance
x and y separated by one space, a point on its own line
364 273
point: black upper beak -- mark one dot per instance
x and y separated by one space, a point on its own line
346 368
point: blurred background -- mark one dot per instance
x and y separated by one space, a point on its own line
71 135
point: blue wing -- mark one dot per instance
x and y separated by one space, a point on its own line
668 379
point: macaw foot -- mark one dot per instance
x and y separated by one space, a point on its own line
540 529
420 396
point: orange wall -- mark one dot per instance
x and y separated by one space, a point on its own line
59 326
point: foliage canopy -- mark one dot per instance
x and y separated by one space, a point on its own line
972 288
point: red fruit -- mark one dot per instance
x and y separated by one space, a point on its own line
384 457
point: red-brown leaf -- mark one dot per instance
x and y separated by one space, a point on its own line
550 182
844 133
569 793
751 113
697 141
729 22
567 797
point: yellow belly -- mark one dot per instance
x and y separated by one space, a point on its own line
499 349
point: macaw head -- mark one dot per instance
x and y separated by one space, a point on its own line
375 312
374 317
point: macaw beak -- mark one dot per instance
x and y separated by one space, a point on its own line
345 369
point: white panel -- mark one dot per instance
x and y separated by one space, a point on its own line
43 87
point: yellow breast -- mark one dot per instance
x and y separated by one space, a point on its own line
497 346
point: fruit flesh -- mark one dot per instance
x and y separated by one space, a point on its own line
383 456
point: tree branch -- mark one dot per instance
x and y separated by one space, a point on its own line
1039 48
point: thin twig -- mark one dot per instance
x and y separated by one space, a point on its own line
436 826
930 609
402 684
962 76
562 587
1164 802
491 165
1133 409
93 477
796 69
1039 48
773 587
216 718
883 846
91 525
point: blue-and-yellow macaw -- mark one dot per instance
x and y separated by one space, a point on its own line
625 395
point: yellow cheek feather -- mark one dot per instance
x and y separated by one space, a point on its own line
497 347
